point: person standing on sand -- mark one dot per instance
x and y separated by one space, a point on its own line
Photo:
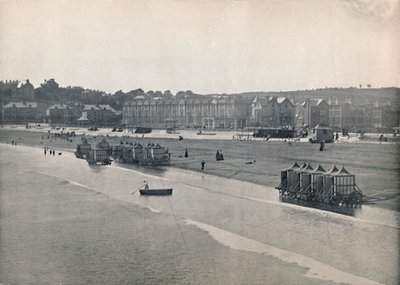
202 164
322 146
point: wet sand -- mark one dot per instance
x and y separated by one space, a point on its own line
376 166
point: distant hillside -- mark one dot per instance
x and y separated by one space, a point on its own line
357 95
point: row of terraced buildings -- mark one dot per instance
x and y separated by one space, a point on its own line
233 112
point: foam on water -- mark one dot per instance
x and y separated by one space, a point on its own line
316 269
138 172
95 190
153 210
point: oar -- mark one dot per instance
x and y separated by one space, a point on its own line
137 189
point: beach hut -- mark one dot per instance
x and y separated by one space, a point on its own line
294 180
294 176
117 151
138 152
157 152
83 149
127 154
317 177
305 180
285 182
345 190
98 156
317 182
104 145
154 154
324 194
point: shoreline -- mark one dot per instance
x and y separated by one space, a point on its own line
271 157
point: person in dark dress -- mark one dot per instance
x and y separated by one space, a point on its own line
322 146
202 164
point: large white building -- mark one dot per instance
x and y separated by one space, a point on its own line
209 112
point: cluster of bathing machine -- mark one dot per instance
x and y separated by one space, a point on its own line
335 186
104 153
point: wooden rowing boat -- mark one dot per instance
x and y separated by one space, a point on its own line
158 192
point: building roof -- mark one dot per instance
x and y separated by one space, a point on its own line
59 106
293 166
342 172
90 107
98 107
322 127
21 105
306 168
280 99
303 165
318 169
313 102
332 170
106 107
261 100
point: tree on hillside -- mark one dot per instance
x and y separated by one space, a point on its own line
151 93
167 93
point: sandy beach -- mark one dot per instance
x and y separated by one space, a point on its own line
375 165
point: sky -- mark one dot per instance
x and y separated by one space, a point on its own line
209 46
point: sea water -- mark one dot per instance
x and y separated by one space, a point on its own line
65 222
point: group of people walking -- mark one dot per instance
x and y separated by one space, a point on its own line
51 151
